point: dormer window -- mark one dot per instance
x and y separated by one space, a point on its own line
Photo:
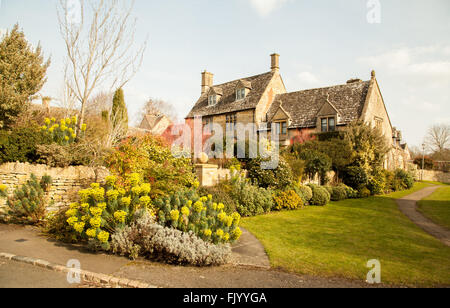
240 94
328 124
212 100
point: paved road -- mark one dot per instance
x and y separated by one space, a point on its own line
408 205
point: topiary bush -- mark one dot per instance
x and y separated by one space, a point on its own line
321 196
306 193
350 192
29 202
339 193
146 237
288 200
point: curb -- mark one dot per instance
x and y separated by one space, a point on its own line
85 275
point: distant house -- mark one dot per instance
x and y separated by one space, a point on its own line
155 124
297 116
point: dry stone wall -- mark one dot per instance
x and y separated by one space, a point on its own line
66 181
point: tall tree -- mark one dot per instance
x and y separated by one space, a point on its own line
156 107
22 75
99 45
119 113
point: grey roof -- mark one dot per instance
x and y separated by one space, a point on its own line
304 106
228 101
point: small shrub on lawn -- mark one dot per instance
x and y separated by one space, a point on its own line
321 196
350 192
406 178
187 212
329 189
146 237
305 192
28 203
339 193
355 177
363 192
288 200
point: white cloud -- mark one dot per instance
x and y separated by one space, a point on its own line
2 31
308 78
265 7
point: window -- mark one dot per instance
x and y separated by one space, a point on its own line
328 124
212 100
208 125
281 128
240 94
231 122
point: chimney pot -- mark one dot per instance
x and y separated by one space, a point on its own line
275 67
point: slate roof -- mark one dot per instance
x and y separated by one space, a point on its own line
304 106
228 102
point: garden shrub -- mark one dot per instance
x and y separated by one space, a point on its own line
153 159
329 189
350 192
20 145
405 178
64 132
355 177
389 177
250 199
146 237
3 191
288 200
277 178
221 193
102 210
338 193
316 163
29 202
363 192
188 212
306 192
321 196
377 183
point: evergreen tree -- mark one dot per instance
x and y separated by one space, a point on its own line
22 75
119 113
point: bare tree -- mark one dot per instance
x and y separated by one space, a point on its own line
100 52
157 107
99 103
438 138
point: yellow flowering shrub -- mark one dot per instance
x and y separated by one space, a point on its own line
103 209
62 133
186 211
288 200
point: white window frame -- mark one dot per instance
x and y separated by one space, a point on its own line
212 100
240 94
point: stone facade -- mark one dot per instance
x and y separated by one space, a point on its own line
299 115
434 176
66 181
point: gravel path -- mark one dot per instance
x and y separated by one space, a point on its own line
408 205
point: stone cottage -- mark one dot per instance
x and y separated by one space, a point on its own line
297 116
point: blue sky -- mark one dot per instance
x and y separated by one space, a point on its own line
321 43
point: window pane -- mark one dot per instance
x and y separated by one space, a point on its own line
324 125
284 128
331 124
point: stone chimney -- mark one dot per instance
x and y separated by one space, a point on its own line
275 67
207 81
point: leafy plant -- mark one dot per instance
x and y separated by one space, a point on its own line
146 237
289 200
188 212
278 178
28 203
321 196
64 132
338 193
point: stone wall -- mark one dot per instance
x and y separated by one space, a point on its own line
434 176
66 181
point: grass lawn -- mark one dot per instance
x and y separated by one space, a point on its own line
338 240
437 206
